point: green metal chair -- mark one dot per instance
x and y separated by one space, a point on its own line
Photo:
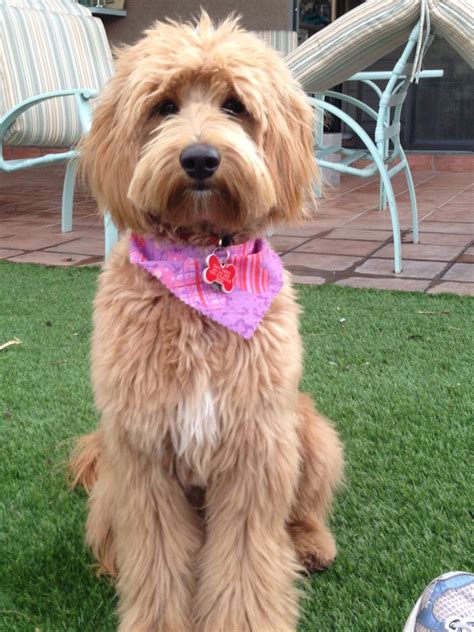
384 153
55 59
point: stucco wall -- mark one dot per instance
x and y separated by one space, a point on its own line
257 15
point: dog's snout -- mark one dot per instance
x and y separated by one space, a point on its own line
200 161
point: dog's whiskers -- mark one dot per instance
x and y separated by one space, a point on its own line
201 194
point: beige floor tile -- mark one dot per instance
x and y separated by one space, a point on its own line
311 229
12 226
283 243
453 215
50 258
422 252
378 221
411 269
452 287
307 261
308 280
338 247
82 246
460 272
465 228
364 234
434 239
7 253
32 241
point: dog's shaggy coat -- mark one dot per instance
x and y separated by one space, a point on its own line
210 476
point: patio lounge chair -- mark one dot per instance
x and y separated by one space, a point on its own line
384 153
373 29
351 44
55 59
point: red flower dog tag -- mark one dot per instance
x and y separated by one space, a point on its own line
220 273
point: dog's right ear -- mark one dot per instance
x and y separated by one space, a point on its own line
109 152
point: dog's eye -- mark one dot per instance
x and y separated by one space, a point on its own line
234 106
165 108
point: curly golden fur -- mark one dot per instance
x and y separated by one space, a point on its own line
205 531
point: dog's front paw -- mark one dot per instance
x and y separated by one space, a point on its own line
314 544
238 615
154 627
243 626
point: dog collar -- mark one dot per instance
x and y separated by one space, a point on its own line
238 303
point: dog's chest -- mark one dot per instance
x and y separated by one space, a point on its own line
194 428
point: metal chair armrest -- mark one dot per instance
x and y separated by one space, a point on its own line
82 95
25 163
384 75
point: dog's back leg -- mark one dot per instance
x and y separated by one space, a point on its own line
99 529
322 470
87 467
82 464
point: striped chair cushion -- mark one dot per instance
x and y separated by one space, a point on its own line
282 41
50 45
367 33
453 20
71 7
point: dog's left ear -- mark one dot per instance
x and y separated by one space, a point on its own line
289 148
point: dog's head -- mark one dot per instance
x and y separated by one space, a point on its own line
201 127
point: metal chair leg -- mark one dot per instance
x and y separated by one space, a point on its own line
382 198
383 195
68 196
412 194
392 205
111 233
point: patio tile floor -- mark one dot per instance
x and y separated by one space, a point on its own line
348 242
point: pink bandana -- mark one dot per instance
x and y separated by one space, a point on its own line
180 267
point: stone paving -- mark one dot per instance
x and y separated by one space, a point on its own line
347 243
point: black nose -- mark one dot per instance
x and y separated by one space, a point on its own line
200 161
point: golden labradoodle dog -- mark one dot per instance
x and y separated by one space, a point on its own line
210 476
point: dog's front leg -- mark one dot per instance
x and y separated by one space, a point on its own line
157 539
248 565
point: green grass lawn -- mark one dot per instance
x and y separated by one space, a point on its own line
394 370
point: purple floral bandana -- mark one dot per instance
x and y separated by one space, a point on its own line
180 267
